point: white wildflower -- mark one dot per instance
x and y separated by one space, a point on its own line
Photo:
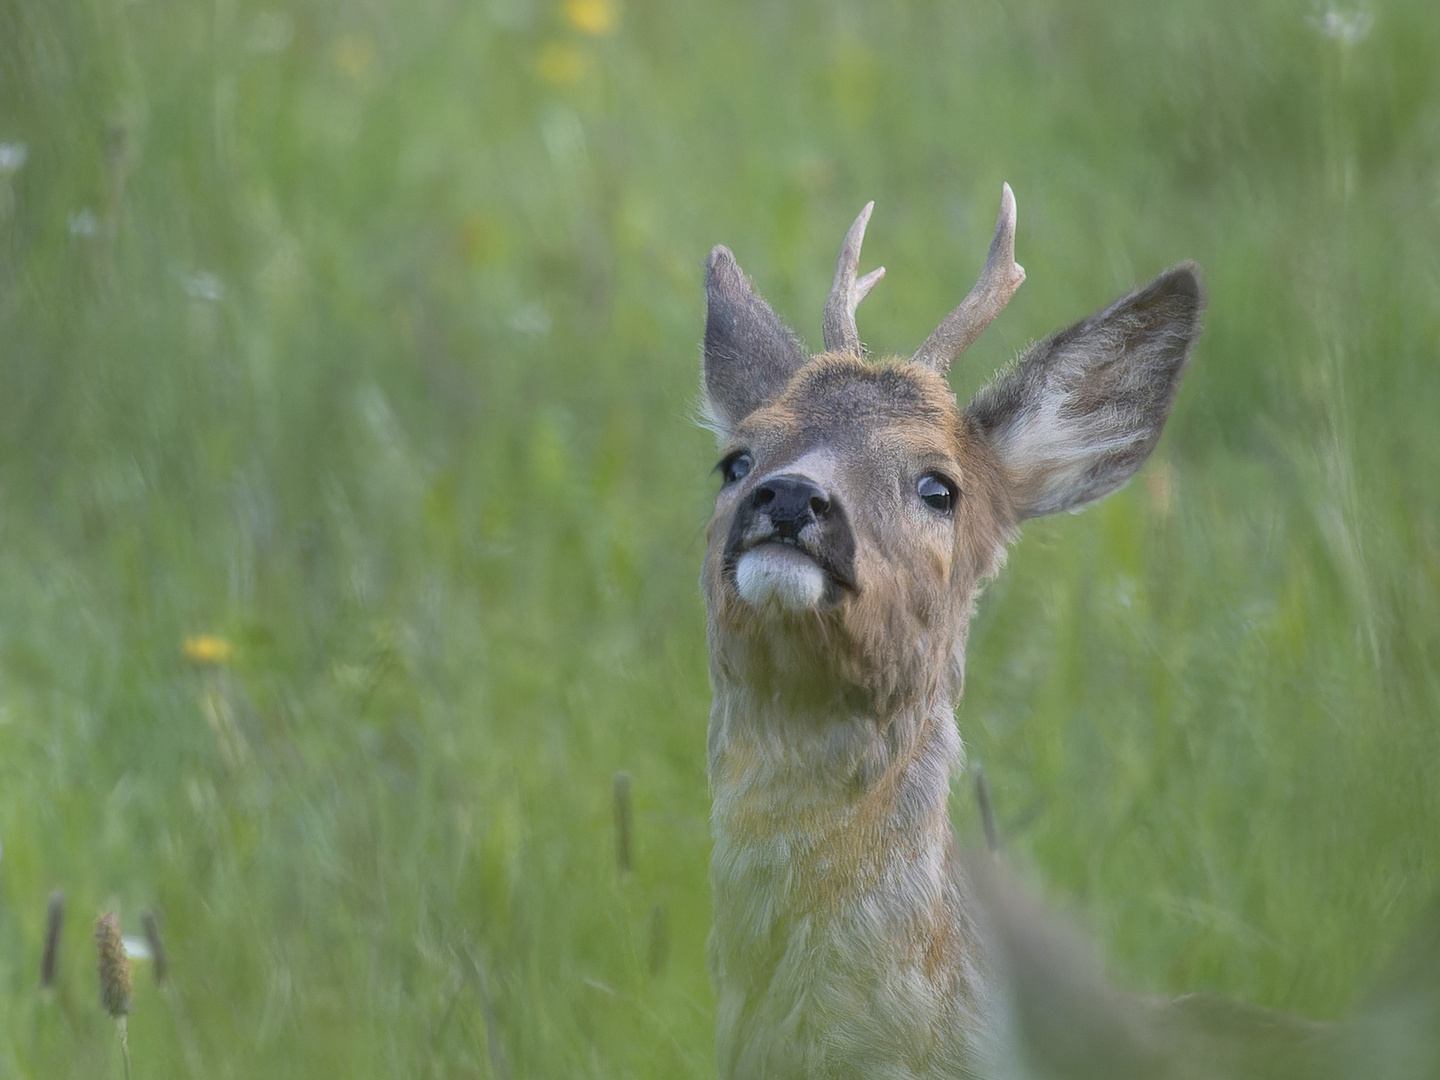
1349 29
12 157
84 222
136 948
204 285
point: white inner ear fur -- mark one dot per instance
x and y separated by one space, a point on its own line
782 575
1048 454
712 418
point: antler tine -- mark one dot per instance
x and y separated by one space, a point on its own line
992 291
846 293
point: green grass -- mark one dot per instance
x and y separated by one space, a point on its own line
359 336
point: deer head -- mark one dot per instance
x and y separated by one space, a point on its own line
861 506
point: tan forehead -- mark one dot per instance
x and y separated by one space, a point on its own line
840 401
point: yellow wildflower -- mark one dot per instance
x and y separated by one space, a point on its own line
207 649
594 17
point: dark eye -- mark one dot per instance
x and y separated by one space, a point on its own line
938 492
736 467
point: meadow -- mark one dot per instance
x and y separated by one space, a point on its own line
352 507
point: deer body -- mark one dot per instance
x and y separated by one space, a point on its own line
861 511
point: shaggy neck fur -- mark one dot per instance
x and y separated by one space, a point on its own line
842 944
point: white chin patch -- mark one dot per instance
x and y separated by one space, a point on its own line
779 574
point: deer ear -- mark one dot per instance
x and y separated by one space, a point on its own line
749 353
1079 413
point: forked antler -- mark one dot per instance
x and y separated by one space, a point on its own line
997 283
846 293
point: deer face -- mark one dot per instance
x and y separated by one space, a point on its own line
856 515
861 507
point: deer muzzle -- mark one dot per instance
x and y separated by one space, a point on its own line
790 545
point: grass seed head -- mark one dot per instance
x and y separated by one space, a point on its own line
54 925
115 980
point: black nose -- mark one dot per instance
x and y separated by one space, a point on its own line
791 503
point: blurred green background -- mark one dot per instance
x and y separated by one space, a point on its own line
351 508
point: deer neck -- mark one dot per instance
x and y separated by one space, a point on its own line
841 925
834 770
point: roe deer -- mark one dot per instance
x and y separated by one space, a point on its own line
860 511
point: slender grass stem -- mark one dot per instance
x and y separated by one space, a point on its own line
124 1046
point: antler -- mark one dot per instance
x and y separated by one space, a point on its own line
846 293
997 283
